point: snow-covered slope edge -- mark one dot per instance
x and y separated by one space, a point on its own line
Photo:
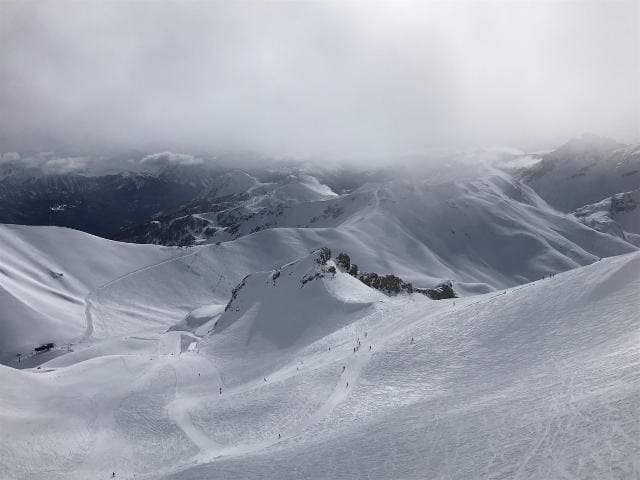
45 275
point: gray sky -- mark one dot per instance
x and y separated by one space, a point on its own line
316 78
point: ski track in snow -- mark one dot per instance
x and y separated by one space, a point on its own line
94 293
354 362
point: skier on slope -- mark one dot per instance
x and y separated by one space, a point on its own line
220 390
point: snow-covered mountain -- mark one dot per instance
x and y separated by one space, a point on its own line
595 178
483 235
236 204
618 215
296 331
99 205
584 171
153 198
536 381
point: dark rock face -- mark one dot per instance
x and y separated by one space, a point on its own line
323 255
441 292
344 261
391 284
234 293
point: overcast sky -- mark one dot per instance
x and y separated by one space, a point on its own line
316 78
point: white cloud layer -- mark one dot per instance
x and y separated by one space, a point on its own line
169 158
316 78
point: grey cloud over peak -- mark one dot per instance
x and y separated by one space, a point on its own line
316 78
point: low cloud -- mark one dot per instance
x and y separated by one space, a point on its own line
168 158
66 165
7 157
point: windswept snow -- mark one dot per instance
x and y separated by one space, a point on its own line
537 381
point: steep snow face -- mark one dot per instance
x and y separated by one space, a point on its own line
618 215
45 275
584 171
278 312
538 381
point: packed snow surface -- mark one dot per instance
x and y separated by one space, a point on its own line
311 374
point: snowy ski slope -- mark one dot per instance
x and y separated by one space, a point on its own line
537 381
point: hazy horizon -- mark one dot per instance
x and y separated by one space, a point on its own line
361 79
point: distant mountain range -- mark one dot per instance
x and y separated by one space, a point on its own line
174 199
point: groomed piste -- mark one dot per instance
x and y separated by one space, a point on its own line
305 372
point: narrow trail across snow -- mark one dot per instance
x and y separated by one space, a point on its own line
89 329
